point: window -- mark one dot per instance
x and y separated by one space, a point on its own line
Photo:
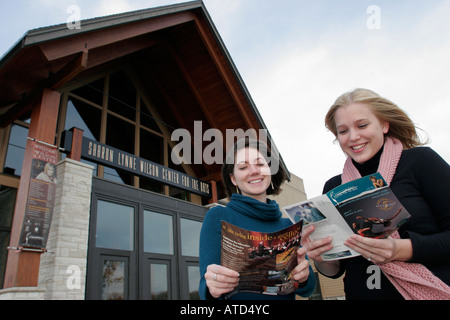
159 281
193 281
122 96
190 237
114 279
115 226
151 147
84 117
158 233
147 119
92 91
120 135
7 203
112 111
16 150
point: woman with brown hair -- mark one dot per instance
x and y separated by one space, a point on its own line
377 136
248 178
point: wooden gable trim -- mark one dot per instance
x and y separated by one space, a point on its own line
66 46
197 96
226 74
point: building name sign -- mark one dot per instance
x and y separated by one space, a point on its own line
112 157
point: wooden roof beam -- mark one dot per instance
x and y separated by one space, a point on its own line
120 49
70 71
20 108
54 82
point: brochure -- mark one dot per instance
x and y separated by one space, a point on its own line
366 206
264 260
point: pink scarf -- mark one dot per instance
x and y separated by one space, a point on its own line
413 280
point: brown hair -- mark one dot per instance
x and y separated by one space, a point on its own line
400 125
278 175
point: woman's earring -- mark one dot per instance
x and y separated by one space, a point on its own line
237 190
271 183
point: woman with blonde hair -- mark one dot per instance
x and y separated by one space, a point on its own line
377 136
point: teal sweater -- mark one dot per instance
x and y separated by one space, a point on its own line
247 213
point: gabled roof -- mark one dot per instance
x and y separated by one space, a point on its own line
175 51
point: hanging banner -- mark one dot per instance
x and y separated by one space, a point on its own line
41 197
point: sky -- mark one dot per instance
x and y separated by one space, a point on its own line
296 57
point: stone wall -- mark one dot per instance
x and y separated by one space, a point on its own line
63 270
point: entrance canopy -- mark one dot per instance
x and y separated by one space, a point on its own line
175 51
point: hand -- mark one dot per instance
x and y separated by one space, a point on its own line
220 280
301 272
314 249
381 250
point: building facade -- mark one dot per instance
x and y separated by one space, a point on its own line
93 205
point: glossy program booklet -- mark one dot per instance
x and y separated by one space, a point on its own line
366 206
264 260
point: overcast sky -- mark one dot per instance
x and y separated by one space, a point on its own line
296 57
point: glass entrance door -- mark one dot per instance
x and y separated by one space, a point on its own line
158 257
142 245
112 255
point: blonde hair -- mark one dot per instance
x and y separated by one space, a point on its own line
400 125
